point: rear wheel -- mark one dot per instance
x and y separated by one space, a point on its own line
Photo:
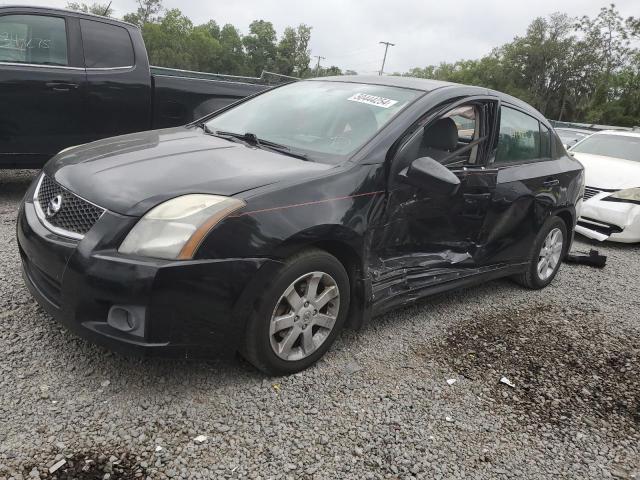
299 315
546 255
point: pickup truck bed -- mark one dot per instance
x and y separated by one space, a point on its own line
68 78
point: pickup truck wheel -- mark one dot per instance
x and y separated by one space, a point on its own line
299 315
546 255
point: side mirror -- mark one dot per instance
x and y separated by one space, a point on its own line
428 174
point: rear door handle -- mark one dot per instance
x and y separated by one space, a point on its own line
551 182
61 86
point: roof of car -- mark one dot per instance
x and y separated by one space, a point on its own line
426 85
67 11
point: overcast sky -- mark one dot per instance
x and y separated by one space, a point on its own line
347 32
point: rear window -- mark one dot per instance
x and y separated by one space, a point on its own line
618 146
34 39
106 46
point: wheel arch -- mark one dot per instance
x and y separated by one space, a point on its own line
348 247
568 216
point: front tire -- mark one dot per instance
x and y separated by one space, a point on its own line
546 255
299 315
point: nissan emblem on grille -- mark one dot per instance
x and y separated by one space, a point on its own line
54 206
63 212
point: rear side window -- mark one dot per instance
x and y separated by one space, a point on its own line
519 137
106 46
34 39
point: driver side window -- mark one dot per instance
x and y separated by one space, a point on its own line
449 139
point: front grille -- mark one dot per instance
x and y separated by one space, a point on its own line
75 216
591 192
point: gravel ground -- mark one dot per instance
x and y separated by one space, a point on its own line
378 406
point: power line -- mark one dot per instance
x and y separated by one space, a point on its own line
386 47
318 64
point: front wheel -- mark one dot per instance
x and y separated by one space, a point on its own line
299 315
546 255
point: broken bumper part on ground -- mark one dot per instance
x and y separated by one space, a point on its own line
593 258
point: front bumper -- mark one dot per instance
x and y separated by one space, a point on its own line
605 220
190 308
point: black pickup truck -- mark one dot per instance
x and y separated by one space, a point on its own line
68 78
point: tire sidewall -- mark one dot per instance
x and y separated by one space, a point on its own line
258 330
550 224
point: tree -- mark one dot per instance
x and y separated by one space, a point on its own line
102 9
232 57
293 53
148 12
168 42
286 52
571 69
260 47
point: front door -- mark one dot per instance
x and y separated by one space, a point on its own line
430 238
41 88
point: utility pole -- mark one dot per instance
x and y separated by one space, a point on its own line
318 65
384 59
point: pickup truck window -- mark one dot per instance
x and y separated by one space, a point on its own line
35 39
105 45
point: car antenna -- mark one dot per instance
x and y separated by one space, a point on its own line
104 14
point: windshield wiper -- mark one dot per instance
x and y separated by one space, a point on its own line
253 140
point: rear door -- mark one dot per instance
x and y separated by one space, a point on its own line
529 186
118 92
42 79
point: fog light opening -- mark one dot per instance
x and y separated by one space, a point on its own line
127 318
121 319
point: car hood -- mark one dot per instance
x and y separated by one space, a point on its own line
609 173
133 173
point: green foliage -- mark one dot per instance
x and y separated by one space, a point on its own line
173 41
148 12
570 69
102 9
260 47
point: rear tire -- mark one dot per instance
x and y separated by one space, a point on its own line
546 255
299 315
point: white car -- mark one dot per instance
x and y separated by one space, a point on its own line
611 206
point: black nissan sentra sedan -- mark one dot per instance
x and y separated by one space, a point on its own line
269 225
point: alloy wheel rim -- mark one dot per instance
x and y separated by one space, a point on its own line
550 253
304 316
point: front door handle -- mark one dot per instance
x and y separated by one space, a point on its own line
61 86
551 182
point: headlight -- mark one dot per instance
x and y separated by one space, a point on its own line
174 229
628 195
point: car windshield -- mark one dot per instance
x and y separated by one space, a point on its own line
325 120
618 146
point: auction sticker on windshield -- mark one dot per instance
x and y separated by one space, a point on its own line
372 100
